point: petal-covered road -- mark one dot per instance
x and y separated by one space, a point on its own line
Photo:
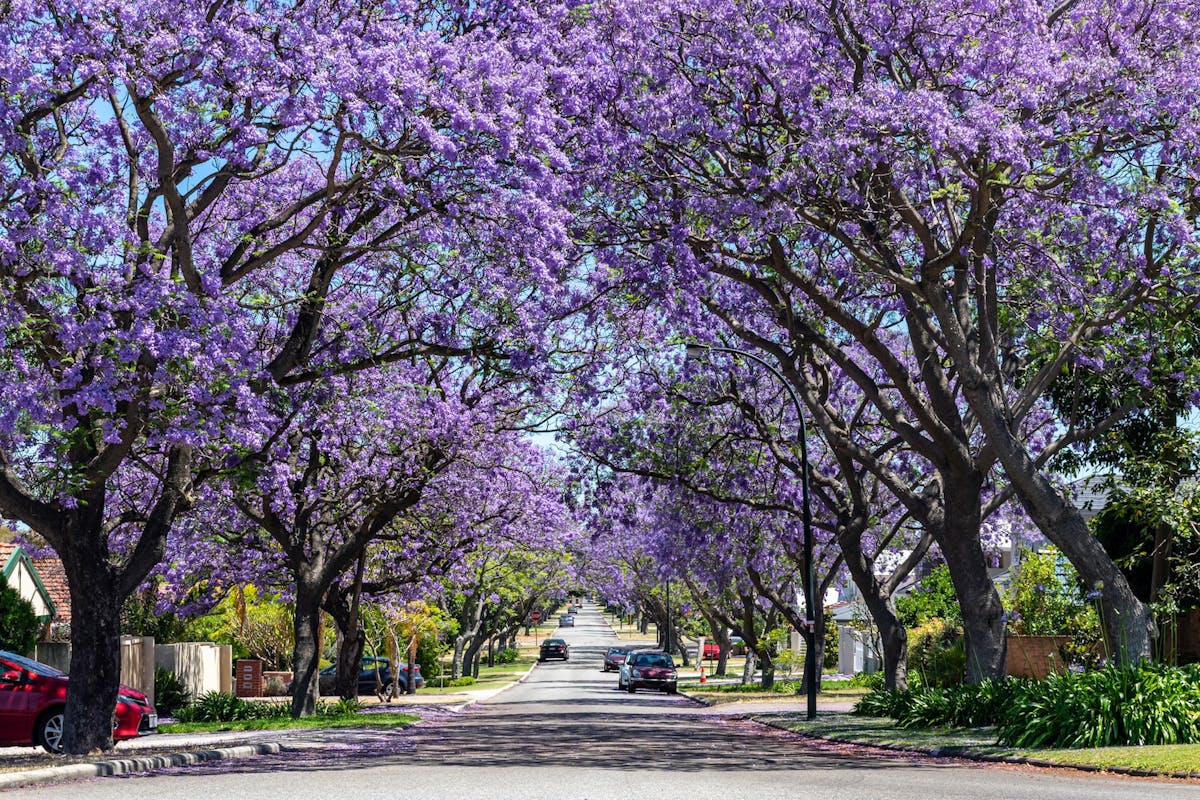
567 733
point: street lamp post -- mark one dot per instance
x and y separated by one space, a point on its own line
810 633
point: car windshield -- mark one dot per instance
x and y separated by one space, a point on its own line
617 651
36 667
655 660
552 642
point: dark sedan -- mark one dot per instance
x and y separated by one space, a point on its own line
554 648
614 658
651 669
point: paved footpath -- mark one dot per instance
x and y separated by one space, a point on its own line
566 733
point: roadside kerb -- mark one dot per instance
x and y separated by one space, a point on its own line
968 754
126 766
465 705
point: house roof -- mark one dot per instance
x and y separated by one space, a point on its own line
19 571
54 578
1090 494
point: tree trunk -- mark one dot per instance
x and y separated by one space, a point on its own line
892 635
748 668
307 655
1128 623
471 658
956 529
351 641
95 657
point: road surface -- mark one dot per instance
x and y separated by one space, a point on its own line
567 734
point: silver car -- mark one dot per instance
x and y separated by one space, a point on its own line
623 674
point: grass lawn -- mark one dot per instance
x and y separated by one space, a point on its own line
489 677
1168 759
386 720
735 692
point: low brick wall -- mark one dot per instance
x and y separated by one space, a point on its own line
1035 656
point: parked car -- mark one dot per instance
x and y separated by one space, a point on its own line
566 621
33 696
623 671
651 669
614 658
327 680
554 648
712 650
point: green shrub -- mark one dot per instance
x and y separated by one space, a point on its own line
969 706
345 706
465 680
170 693
883 703
936 655
867 680
1147 704
508 655
18 621
933 598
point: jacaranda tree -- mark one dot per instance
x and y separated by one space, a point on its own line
202 203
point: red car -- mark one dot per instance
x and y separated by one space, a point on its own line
614 658
712 650
33 696
651 669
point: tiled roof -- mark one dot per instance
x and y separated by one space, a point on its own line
54 578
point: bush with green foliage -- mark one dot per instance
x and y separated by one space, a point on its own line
937 654
465 680
1147 704
18 621
832 641
508 655
883 703
867 680
1044 598
933 598
221 707
966 706
170 693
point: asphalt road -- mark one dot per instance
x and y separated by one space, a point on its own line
567 734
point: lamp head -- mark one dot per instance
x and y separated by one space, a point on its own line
696 350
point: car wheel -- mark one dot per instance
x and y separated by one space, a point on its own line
631 688
541 660
49 731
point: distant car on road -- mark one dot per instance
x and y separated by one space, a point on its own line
566 621
327 679
651 669
554 648
33 699
712 650
614 658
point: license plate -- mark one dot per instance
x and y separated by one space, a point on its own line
153 720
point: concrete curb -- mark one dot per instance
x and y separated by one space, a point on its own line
959 752
464 706
127 766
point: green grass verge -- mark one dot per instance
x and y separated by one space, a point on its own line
1166 759
732 693
287 723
